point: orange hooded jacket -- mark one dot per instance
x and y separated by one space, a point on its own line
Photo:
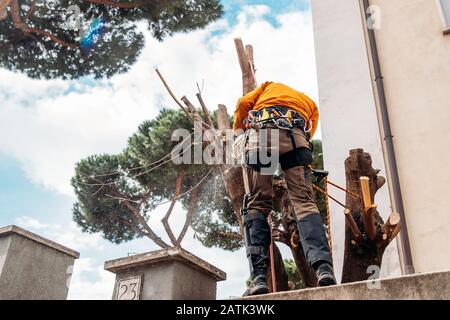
271 94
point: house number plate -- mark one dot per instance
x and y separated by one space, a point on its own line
129 288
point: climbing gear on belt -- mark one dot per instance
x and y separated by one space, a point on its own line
278 116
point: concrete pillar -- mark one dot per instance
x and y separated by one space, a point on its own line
32 267
167 274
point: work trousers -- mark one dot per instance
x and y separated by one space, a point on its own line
273 144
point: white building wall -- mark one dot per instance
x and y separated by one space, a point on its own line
415 62
347 110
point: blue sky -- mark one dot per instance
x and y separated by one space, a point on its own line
44 134
232 7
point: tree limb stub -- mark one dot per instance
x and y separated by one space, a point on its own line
392 227
246 62
352 224
205 109
370 224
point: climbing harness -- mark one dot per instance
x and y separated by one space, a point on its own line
278 116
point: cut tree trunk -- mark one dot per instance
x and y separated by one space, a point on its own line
366 235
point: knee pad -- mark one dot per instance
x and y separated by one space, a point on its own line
296 157
257 232
257 228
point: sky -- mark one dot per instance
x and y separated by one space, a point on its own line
46 126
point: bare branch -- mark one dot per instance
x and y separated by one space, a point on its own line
165 219
192 207
172 95
204 108
151 234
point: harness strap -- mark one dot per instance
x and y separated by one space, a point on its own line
256 250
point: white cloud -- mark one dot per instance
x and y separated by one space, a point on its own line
30 223
68 235
48 130
90 281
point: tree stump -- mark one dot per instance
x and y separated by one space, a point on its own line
366 235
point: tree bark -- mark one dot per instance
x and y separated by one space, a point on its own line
364 248
165 219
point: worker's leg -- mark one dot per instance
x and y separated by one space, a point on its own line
258 188
297 174
311 231
259 191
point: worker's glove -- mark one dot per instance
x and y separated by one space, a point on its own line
238 148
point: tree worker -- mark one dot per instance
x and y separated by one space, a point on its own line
279 120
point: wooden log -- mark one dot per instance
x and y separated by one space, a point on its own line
370 224
352 224
248 77
249 52
365 190
242 55
223 120
391 227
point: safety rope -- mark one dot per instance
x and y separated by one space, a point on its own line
327 195
327 207
343 189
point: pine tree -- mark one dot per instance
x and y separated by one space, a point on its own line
37 39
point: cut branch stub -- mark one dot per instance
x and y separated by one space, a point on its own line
205 109
245 56
352 224
392 227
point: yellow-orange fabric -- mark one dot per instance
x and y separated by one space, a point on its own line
271 94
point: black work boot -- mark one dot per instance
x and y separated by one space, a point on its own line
258 286
317 250
325 275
